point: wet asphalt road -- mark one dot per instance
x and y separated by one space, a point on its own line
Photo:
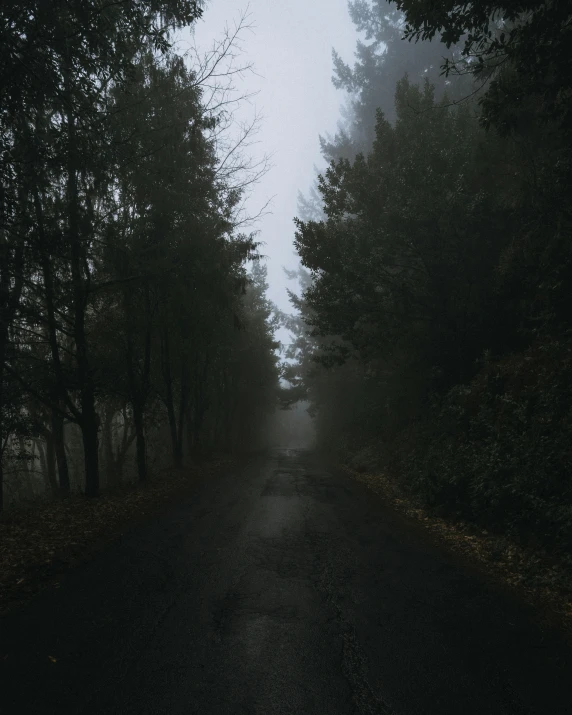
277 588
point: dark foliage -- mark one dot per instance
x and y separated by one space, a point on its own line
438 302
128 318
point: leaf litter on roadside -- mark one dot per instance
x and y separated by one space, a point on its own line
540 580
37 545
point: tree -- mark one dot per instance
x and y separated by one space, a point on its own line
531 38
122 259
381 61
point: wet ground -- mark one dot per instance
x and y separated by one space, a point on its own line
279 587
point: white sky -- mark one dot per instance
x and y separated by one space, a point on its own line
290 45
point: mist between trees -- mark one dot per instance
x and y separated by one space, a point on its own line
432 328
132 333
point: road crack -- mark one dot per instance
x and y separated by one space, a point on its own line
354 662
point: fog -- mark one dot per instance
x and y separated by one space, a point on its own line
250 255
291 429
287 49
144 169
289 46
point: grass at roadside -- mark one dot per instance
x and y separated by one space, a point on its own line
540 580
37 545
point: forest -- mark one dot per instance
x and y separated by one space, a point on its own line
135 331
432 336
275 440
433 333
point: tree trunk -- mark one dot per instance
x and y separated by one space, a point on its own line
48 463
140 444
60 390
229 409
2 436
122 448
107 441
10 291
183 402
169 400
218 421
89 430
58 437
138 387
177 450
51 463
89 420
196 416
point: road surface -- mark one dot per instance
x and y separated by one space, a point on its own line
280 587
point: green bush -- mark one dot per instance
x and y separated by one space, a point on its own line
498 451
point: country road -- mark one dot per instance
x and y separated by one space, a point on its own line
279 587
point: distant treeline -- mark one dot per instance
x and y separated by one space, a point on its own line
131 333
434 332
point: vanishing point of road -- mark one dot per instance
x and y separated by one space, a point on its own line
280 587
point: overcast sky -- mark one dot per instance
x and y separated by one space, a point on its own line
290 45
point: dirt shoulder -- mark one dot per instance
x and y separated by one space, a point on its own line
38 545
538 579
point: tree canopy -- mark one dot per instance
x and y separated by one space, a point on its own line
125 288
437 250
